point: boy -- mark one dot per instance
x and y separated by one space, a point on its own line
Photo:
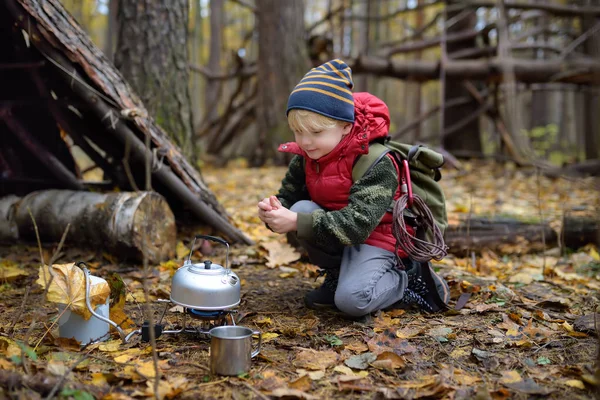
345 226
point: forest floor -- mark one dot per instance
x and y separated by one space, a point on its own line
523 327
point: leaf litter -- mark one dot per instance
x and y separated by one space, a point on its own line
519 324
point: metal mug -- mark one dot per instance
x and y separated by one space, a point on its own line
231 350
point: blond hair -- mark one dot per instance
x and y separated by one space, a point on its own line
308 121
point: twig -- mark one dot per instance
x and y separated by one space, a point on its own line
146 269
573 45
539 199
11 331
252 389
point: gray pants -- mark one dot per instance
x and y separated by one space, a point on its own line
369 280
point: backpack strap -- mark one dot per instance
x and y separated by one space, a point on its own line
365 162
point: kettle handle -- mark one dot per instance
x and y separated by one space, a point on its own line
214 239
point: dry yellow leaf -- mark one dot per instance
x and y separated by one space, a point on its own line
510 377
146 369
68 287
99 379
110 346
460 352
594 254
315 360
464 378
181 250
9 347
9 270
268 336
576 383
279 253
264 321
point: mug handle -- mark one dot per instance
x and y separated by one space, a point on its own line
255 352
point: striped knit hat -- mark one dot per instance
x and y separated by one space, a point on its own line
326 90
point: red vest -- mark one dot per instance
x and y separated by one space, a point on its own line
329 178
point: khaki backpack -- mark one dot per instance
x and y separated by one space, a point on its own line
424 165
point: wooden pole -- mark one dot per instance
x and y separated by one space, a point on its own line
38 151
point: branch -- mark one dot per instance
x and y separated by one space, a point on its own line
580 40
566 11
528 71
37 149
403 10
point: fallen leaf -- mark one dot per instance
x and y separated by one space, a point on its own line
56 368
576 383
360 361
440 333
10 271
529 386
388 341
510 377
481 354
388 360
68 287
357 347
110 346
464 378
292 393
181 250
279 253
268 336
315 360
303 383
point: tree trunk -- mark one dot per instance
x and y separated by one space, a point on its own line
111 30
591 101
214 58
282 61
365 7
468 137
126 223
152 55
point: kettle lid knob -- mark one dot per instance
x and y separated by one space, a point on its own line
207 264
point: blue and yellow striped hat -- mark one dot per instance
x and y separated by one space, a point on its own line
326 90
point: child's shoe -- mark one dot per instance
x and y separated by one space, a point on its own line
324 295
426 289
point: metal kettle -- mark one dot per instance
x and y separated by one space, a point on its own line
206 285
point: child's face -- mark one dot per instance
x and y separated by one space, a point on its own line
319 143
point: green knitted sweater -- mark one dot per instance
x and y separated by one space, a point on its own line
368 202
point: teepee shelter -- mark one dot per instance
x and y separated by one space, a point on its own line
60 94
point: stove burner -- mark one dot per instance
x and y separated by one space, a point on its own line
204 314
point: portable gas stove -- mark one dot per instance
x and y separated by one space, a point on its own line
205 320
208 293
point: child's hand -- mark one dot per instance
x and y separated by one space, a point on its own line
279 218
263 206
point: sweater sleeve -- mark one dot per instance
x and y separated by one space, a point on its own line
369 199
293 186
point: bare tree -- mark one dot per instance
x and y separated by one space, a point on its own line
591 25
282 61
152 55
111 29
466 138
214 58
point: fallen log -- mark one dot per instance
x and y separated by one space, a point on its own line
8 226
578 231
126 224
501 235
